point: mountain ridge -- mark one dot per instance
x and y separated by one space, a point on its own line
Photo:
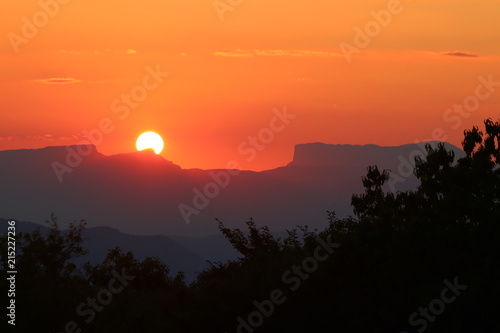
99 240
143 193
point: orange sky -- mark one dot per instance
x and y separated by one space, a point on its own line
227 76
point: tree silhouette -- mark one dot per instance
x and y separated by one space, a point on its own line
394 256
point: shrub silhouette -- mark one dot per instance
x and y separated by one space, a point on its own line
394 256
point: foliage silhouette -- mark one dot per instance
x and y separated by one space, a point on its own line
395 254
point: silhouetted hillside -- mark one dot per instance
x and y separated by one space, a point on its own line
141 193
421 260
99 240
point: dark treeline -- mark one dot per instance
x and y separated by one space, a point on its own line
422 260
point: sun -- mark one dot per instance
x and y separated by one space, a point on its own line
150 140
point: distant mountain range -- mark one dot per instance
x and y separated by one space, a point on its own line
187 254
143 194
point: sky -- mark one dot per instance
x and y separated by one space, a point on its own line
245 80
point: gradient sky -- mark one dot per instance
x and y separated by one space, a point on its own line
227 76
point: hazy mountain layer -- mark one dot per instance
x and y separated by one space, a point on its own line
142 193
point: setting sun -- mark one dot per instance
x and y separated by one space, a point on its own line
150 140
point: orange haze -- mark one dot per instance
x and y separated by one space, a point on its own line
68 66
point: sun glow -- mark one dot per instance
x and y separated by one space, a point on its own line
150 140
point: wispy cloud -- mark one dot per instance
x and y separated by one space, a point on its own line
40 137
45 137
105 51
59 80
275 53
461 54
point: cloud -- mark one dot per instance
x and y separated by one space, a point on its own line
59 80
105 51
461 54
276 53
45 137
41 137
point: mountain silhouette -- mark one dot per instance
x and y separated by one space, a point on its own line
141 192
99 240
